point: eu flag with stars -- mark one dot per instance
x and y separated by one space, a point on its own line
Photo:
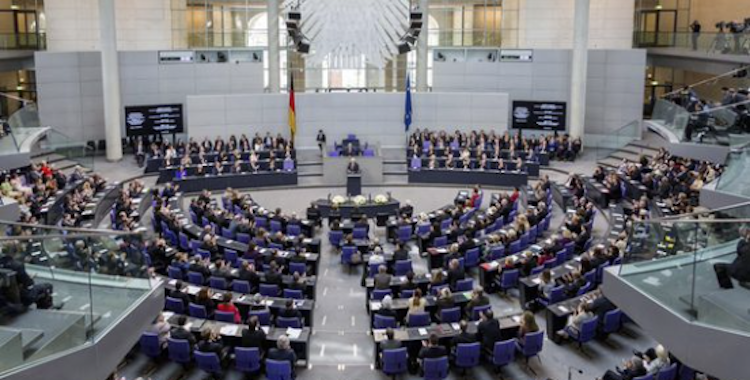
407 108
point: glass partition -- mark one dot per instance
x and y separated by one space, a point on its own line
675 262
736 176
605 145
671 116
64 288
705 42
76 151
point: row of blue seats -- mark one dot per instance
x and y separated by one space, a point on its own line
199 311
239 286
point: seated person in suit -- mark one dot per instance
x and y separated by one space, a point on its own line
478 298
284 352
204 298
455 273
400 253
445 300
632 369
390 343
382 280
488 330
181 331
409 284
211 343
464 337
253 335
432 349
739 269
386 308
273 275
582 313
528 325
352 167
289 311
179 293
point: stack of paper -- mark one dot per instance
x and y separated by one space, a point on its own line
229 330
293 333
422 331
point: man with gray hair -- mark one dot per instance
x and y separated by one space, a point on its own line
284 352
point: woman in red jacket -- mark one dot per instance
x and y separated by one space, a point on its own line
227 306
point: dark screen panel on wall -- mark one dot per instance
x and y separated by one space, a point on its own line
545 116
153 120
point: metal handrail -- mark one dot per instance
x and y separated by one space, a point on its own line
86 231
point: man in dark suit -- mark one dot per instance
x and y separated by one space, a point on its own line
455 273
253 336
247 273
179 293
272 274
432 349
464 337
478 298
390 343
488 330
400 253
181 332
289 311
739 269
352 167
284 352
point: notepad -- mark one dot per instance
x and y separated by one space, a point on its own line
455 326
188 326
516 318
422 331
375 306
229 330
564 309
537 281
172 282
193 289
268 302
167 315
265 329
293 333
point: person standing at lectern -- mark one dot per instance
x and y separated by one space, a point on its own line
353 167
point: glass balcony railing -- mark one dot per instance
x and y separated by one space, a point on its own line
675 262
707 43
62 289
23 41
605 145
671 116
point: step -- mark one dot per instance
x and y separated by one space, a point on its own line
310 163
65 164
395 179
310 180
638 151
637 145
610 162
310 170
626 155
395 172
309 175
49 157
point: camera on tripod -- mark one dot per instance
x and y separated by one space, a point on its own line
734 27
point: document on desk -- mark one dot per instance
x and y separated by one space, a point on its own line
516 318
172 282
265 329
268 302
422 331
293 333
537 280
229 330
564 309
374 306
167 315
193 289
455 326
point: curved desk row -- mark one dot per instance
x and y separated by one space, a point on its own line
530 167
227 167
369 209
542 157
153 164
468 177
236 181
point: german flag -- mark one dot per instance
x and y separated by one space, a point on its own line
292 110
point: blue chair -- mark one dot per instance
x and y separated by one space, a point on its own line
402 267
435 290
587 332
184 241
379 294
195 278
372 269
231 256
503 353
174 272
179 351
394 361
175 305
269 290
475 312
644 377
435 368
464 285
556 295
217 282
468 355
292 322
585 289
293 230
264 316
195 245
198 311
224 316
241 286
208 362
497 252
472 258
300 268
404 233
247 360
515 247
204 253
335 237
359 233
406 293
524 239
450 315
440 241
243 238
278 370
669 373
686 373
346 255
227 233
509 279
423 230
532 346
600 272
418 320
294 294
383 322
261 222
537 270
150 345
612 322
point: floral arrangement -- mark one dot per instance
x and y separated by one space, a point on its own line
381 199
338 200
359 200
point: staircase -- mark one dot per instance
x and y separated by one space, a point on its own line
632 152
394 165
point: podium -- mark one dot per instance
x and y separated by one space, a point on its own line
354 184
